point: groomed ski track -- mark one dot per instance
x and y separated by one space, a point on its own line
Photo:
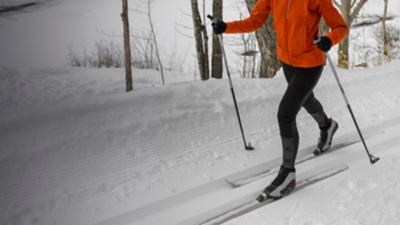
204 202
116 173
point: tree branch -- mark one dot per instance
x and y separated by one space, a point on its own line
16 8
357 10
337 4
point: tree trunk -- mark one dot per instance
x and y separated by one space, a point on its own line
343 59
349 10
266 38
385 39
153 34
323 28
127 46
216 58
202 57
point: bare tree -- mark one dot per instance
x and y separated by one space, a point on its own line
144 48
323 28
216 57
266 38
153 33
385 39
151 38
349 10
201 38
248 65
127 46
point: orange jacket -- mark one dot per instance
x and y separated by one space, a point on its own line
296 24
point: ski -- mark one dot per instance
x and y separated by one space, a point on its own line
240 182
249 206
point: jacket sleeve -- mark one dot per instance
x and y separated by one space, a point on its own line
334 20
257 18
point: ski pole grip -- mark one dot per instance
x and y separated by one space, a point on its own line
211 18
317 39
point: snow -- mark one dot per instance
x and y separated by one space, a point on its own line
76 149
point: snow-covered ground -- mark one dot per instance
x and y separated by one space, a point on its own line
75 149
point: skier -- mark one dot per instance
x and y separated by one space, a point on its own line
302 56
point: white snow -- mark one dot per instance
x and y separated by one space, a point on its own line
75 149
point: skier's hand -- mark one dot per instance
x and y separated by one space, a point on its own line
219 26
323 43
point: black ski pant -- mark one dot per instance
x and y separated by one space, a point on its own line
299 93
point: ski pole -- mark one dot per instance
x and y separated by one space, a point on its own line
247 147
372 158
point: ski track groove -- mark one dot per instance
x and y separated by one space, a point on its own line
166 148
142 212
63 175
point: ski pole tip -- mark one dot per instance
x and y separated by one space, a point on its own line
249 147
374 159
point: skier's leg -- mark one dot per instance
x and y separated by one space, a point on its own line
314 107
300 85
327 126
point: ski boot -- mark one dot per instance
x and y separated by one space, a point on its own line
283 184
326 135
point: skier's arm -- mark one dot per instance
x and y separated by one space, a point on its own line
257 18
334 20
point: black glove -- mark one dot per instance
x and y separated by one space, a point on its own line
324 43
219 27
